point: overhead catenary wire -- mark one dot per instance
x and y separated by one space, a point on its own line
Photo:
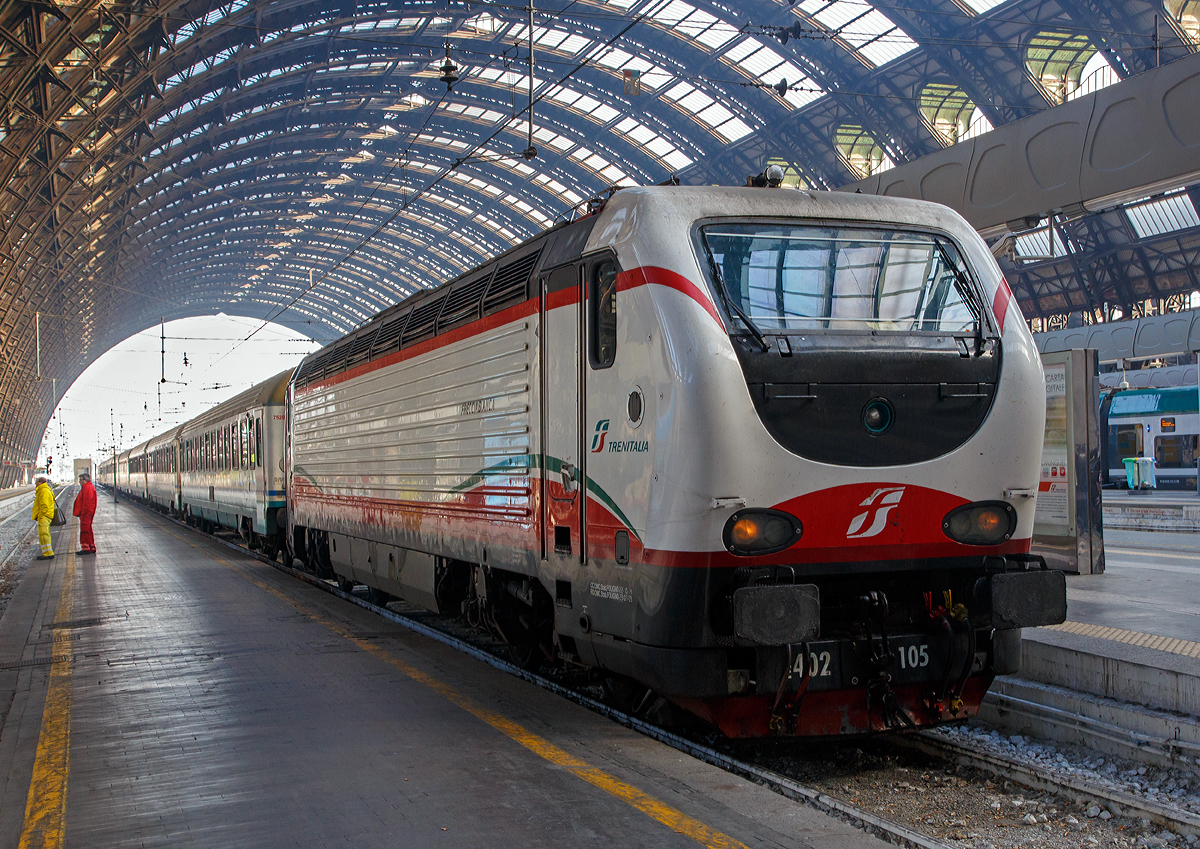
434 182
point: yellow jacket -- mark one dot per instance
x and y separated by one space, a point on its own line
43 502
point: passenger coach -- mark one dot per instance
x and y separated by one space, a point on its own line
230 470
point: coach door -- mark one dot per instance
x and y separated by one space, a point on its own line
562 471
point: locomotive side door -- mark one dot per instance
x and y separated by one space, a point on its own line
562 473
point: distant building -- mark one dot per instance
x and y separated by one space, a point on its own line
81 466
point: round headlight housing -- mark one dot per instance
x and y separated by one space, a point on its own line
756 531
981 523
877 416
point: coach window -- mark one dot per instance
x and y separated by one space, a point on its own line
602 314
245 445
1175 452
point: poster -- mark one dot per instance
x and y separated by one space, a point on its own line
1053 513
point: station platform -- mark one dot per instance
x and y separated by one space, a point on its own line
172 692
1122 674
1151 510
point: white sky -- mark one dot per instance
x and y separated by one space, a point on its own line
122 386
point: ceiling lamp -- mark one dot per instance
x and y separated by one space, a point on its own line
449 70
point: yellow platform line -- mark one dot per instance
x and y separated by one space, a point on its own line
1187 648
46 805
673 818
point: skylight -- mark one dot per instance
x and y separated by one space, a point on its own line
1165 215
867 30
705 111
691 23
982 7
762 64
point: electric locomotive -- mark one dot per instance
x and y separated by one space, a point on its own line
771 454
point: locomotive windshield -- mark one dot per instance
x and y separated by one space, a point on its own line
786 277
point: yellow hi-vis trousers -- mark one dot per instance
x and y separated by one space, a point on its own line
44 537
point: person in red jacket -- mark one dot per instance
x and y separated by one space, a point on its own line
85 509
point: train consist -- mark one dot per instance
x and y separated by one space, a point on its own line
770 454
1159 423
221 469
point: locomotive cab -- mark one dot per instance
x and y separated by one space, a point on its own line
852 533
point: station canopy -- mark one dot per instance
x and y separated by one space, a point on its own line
314 161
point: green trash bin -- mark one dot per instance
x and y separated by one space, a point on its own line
1131 472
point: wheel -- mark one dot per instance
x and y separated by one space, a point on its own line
268 549
626 694
346 585
318 556
378 597
527 655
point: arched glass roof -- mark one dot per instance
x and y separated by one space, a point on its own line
301 160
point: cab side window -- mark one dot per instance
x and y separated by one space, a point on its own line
602 314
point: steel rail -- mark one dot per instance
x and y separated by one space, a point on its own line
21 540
1117 802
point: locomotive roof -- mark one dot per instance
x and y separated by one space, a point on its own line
475 292
691 203
493 285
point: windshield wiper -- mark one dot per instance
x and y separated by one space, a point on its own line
731 306
967 291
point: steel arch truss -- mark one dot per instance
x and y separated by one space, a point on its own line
300 159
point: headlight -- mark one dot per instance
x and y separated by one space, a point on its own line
983 523
760 531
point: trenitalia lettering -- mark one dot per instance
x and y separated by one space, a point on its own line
631 446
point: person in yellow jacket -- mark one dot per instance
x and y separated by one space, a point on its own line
43 514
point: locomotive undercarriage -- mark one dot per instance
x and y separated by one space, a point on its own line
903 649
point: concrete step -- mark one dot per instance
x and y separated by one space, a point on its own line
1129 514
1105 725
1115 695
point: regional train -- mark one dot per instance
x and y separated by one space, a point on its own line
1160 423
770 454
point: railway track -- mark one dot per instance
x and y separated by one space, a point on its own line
1011 769
927 743
12 514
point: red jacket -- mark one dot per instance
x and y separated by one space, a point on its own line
85 501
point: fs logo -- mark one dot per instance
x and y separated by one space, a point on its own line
881 502
598 436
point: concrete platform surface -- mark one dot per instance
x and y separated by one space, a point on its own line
171 692
1151 584
1132 634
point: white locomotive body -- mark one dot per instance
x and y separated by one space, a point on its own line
770 453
